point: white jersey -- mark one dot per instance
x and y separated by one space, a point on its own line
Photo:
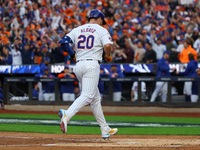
180 48
135 89
16 57
196 45
89 40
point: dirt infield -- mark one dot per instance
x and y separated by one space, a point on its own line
33 141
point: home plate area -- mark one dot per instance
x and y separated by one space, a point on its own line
20 141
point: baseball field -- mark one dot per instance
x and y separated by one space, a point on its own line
141 131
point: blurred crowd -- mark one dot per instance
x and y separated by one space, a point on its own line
30 29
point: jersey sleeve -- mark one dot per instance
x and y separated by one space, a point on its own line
106 38
71 34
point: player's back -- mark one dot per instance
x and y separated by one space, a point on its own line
89 40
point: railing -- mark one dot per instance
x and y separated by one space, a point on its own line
139 102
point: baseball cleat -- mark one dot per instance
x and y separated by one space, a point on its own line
112 132
63 123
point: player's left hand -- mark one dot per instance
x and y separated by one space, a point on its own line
74 57
108 58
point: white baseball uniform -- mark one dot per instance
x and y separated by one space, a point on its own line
16 57
135 89
160 86
89 40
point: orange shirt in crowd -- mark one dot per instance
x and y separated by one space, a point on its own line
184 54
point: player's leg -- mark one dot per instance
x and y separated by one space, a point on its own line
156 91
164 92
187 90
98 113
40 95
89 80
194 98
46 96
117 96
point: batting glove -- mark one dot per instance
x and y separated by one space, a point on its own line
108 58
74 58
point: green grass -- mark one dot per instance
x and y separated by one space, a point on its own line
111 118
96 130
53 129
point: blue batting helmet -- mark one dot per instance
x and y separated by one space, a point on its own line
96 13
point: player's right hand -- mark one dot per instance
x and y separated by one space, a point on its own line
108 58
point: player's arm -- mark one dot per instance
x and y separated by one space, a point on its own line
66 47
132 94
107 49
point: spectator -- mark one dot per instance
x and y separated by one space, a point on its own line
150 54
58 54
162 71
1 96
158 47
36 91
67 88
119 56
139 51
27 54
180 45
195 87
7 58
16 55
184 58
46 53
196 46
189 71
134 91
117 87
47 87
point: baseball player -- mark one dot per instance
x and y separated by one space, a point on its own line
117 86
195 87
189 71
47 87
134 91
89 40
67 88
162 71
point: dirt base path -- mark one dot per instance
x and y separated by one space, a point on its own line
33 141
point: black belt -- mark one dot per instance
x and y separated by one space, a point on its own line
89 60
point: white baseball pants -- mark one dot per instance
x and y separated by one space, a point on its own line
194 98
117 96
68 96
187 90
49 96
87 72
160 86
